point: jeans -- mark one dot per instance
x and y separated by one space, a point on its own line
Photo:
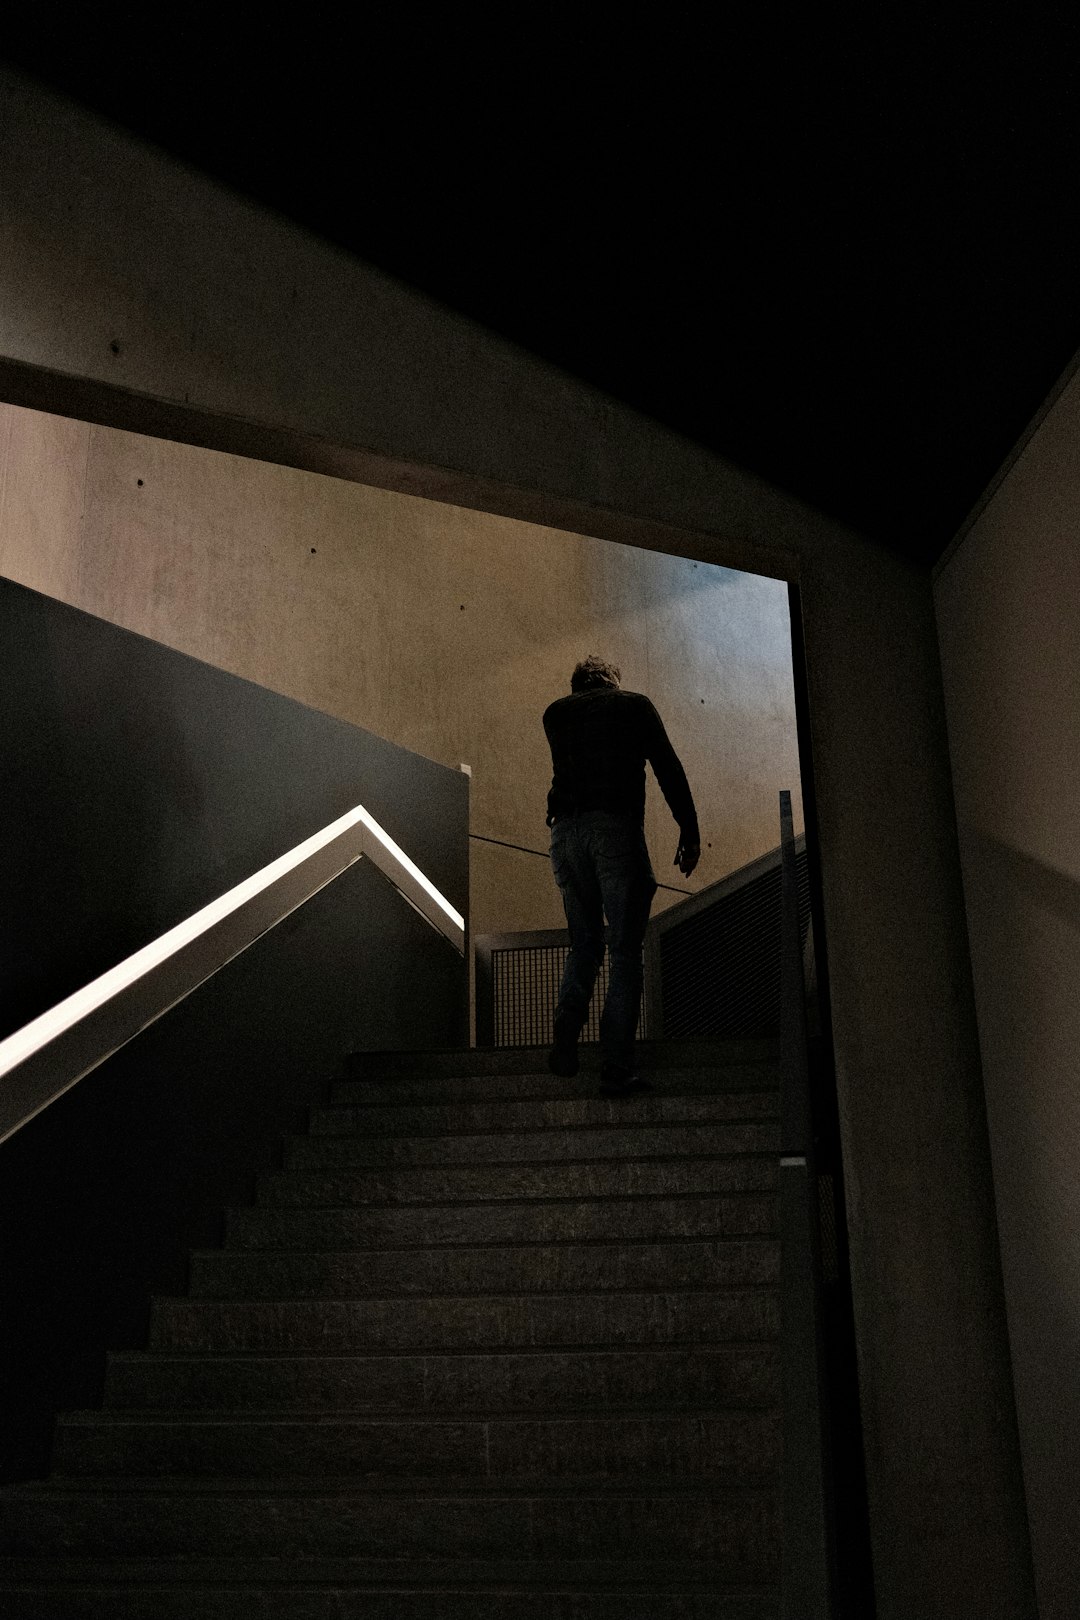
602 868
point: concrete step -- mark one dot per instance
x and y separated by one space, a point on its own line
511 1113
699 1378
288 1519
501 1321
376 1589
423 1086
636 1142
471 1184
536 1268
735 1448
716 1056
632 1220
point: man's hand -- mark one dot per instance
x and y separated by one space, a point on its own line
686 856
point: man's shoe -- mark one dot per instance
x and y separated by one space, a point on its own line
617 1080
562 1059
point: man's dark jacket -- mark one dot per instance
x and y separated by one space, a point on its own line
600 739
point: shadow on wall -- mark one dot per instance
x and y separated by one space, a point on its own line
138 784
1024 919
103 1194
77 831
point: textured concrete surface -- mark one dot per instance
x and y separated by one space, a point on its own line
539 1114
732 1447
1006 613
636 1219
612 1142
454 1323
730 1263
674 1596
476 1184
240 1519
659 1375
443 629
533 1081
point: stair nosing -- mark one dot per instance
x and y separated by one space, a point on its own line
487 1248
583 1126
264 1418
724 1291
531 1202
704 1346
510 1164
425 1488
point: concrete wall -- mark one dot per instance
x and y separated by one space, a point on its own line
136 785
443 629
234 330
1007 614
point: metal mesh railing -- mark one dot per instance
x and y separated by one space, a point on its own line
712 967
525 984
720 965
518 982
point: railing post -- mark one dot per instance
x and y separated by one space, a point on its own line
653 993
485 991
806 1575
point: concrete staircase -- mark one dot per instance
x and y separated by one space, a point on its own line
487 1347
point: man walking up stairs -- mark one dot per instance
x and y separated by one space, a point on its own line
483 1349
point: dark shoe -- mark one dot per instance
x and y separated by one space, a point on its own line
562 1059
616 1080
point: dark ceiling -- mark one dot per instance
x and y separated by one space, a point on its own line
845 256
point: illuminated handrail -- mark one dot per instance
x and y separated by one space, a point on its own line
45 1058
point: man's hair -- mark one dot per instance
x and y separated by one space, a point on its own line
594 671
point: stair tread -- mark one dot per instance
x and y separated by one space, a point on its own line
705 1197
535 1115
723 1291
233 1417
728 1156
424 1570
732 1240
538 1087
650 1054
413 1572
435 1487
390 1227
389 1154
469 1270
567 1180
455 1352
493 1114
230 1418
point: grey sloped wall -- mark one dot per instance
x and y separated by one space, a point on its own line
136 784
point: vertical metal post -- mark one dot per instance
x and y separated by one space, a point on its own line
806 1583
485 991
653 993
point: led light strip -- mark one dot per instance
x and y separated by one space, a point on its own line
361 815
16 1048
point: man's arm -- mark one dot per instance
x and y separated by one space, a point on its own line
551 790
675 788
